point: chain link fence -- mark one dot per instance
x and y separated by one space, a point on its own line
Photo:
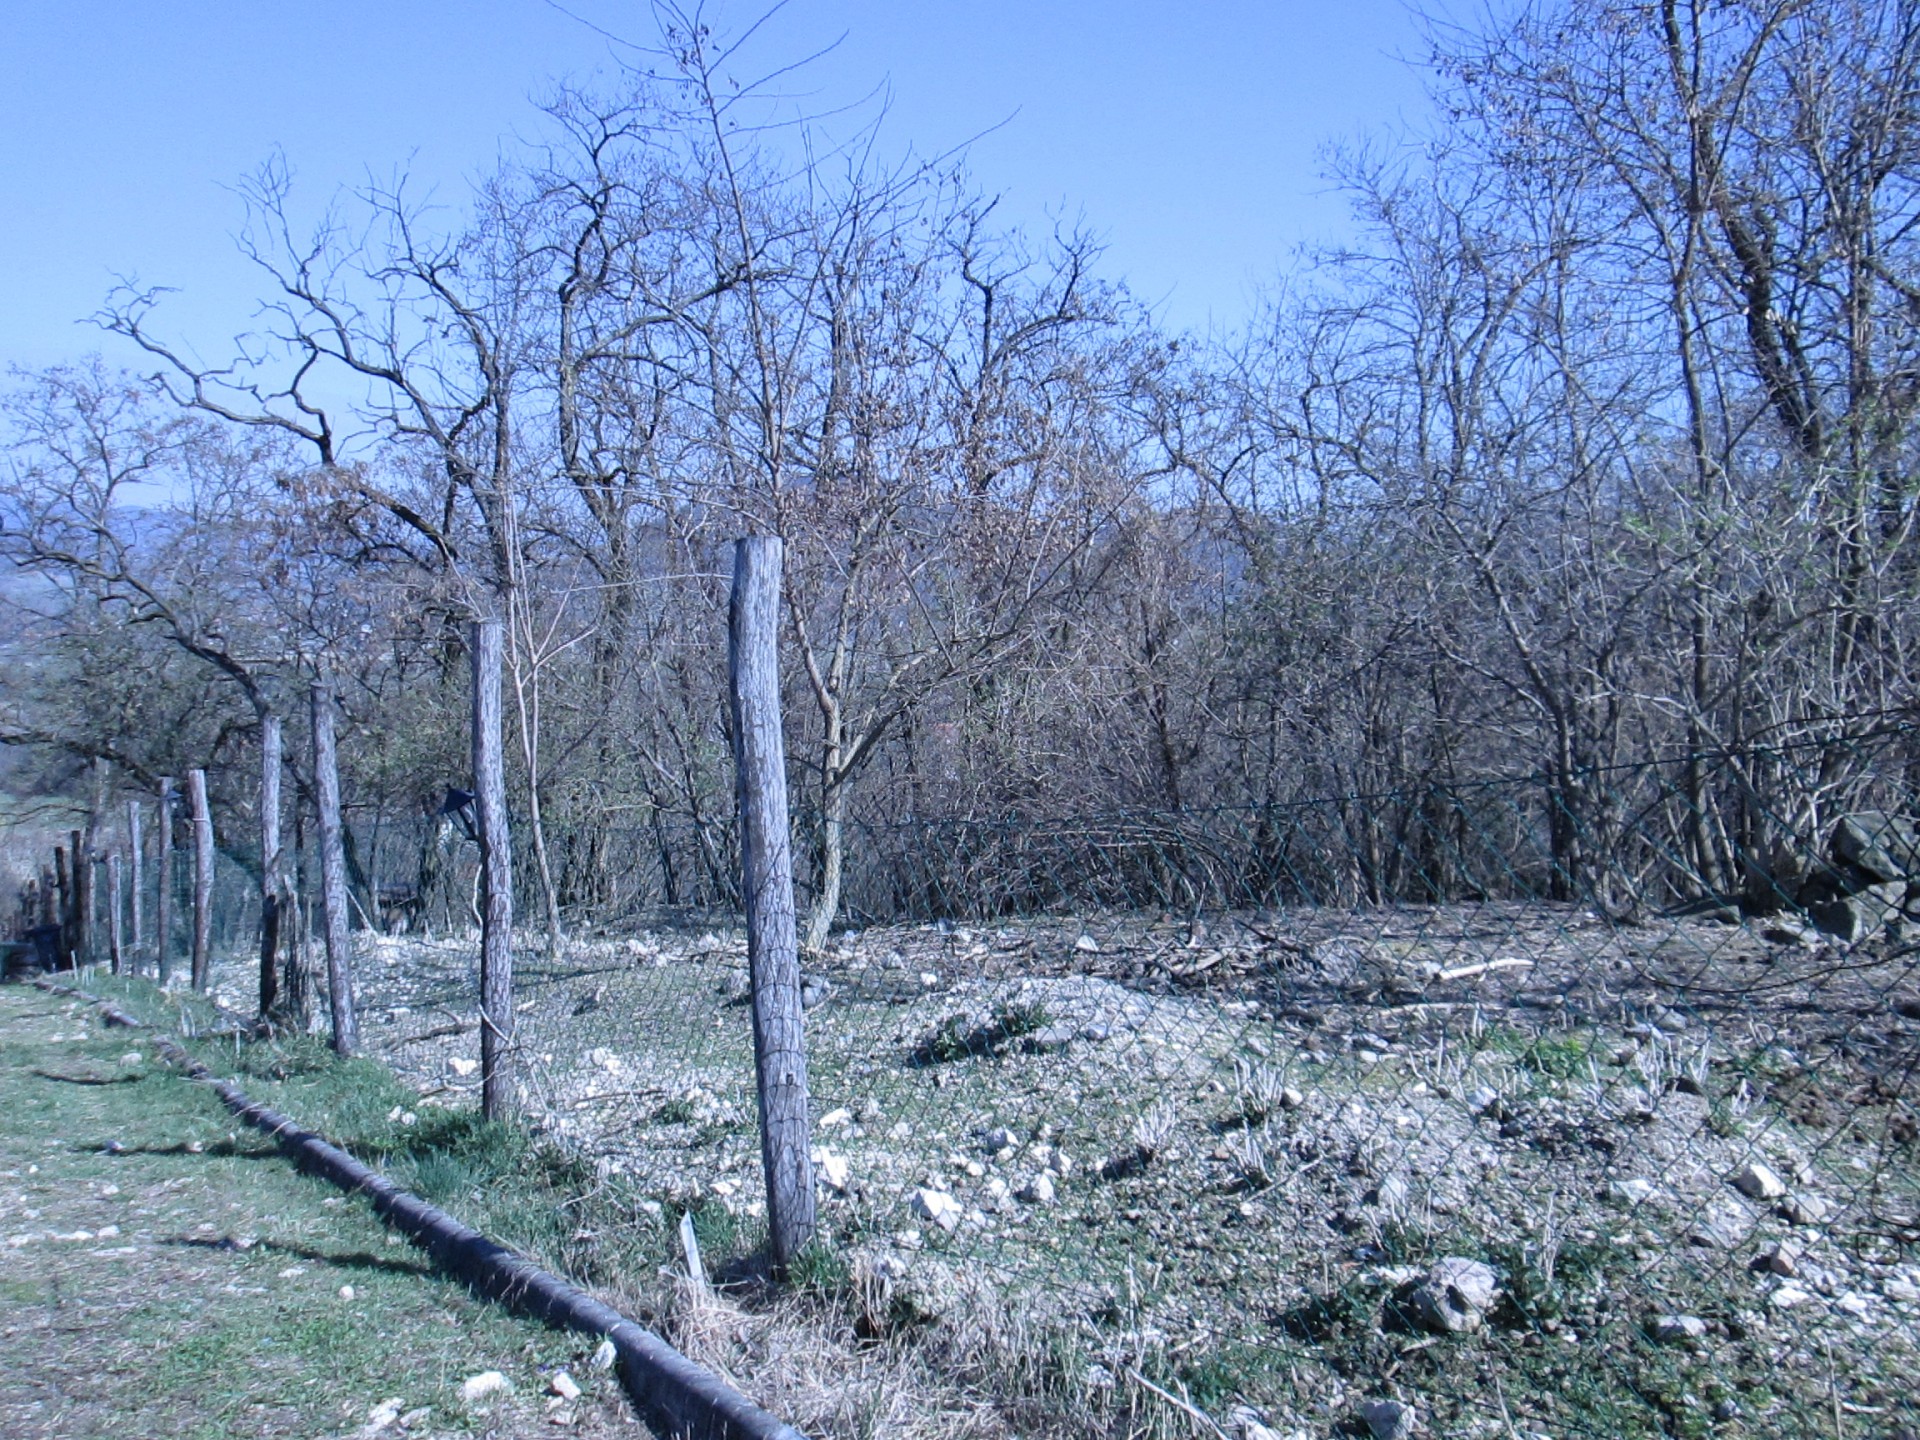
1541 1105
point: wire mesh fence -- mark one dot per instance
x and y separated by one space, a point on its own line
1577 1104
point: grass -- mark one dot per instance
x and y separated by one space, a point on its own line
221 1293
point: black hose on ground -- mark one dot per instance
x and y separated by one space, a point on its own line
676 1397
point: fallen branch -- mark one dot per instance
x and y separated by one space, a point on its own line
1467 972
1174 1400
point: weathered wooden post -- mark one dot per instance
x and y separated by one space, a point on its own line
82 941
114 954
496 874
138 934
163 906
269 863
333 874
63 916
766 873
202 878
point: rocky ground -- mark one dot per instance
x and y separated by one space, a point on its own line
1278 1169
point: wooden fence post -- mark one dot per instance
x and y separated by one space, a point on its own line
163 906
766 873
269 863
63 916
114 954
333 874
138 933
82 864
202 878
496 874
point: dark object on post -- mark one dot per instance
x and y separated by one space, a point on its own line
202 878
269 864
333 875
496 873
766 873
163 915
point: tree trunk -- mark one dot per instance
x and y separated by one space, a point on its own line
496 875
833 864
202 878
114 954
333 875
133 881
766 874
269 864
163 903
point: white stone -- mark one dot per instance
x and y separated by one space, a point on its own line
833 1170
937 1206
462 1066
604 1355
1789 1296
1087 945
564 1385
1389 1419
1805 1209
1678 1329
476 1388
836 1117
1037 1191
1455 1296
1757 1182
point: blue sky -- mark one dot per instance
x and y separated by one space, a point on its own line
1187 136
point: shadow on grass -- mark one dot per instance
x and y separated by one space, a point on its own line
343 1260
216 1150
88 1079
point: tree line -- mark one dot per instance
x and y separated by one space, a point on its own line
1594 450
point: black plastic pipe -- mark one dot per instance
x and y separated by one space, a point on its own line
676 1397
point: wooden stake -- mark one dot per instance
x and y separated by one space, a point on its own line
113 912
82 921
133 879
496 874
63 917
202 878
163 906
333 874
270 887
766 873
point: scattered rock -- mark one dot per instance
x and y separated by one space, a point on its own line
604 1355
1757 1182
937 1206
1389 1419
476 1388
1779 1259
1087 945
999 1140
462 1066
1804 1210
1037 1191
1454 1297
1678 1329
831 1169
1631 1192
381 1416
836 1117
564 1385
1882 847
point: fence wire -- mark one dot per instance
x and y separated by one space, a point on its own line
1539 1105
